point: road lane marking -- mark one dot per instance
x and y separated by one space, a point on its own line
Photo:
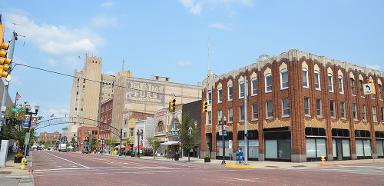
69 161
59 169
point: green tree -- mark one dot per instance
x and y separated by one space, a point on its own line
110 143
73 142
129 141
94 143
188 133
154 143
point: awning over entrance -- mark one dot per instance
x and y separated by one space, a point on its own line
170 143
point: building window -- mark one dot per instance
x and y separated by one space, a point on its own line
382 114
125 134
304 73
374 116
75 108
380 91
131 132
342 110
268 83
330 83
230 93
230 115
209 97
317 80
284 79
286 107
361 87
318 107
353 86
125 121
255 112
219 115
242 113
269 109
209 118
363 112
219 95
332 108
306 106
341 85
241 89
254 86
354 111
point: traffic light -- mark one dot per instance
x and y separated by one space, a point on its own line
172 104
4 61
205 106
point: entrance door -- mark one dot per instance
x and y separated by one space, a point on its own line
339 149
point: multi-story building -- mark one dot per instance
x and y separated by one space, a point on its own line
106 119
45 136
300 106
136 98
86 134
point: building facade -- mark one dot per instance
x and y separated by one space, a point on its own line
106 119
85 134
300 107
45 136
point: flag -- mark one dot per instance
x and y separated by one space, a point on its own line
53 115
17 96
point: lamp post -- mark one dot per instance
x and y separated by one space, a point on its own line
27 135
139 133
223 123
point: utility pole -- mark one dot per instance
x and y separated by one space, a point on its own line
121 140
245 121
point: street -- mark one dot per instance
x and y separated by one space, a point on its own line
55 168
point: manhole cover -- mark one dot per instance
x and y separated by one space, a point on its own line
5 172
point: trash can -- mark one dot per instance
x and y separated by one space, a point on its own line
177 157
207 159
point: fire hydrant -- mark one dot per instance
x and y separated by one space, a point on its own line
23 164
322 159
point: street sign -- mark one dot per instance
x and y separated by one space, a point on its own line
17 110
369 88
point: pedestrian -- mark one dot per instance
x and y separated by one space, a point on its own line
240 156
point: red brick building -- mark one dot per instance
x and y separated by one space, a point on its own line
300 107
45 136
86 132
106 119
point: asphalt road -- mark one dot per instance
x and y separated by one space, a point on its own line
55 168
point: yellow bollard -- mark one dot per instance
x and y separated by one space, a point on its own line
23 164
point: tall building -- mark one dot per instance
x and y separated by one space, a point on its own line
89 88
300 107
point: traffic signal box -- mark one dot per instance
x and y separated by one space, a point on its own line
172 104
4 61
204 106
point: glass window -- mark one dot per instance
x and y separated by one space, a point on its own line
230 115
242 113
382 113
255 112
284 79
379 147
380 91
268 83
359 148
367 147
271 149
241 89
330 83
230 93
321 148
363 112
353 86
341 85
306 106
311 148
374 115
334 148
286 107
209 117
332 108
209 97
318 107
219 95
304 73
219 115
342 110
254 86
269 109
317 80
361 88
345 146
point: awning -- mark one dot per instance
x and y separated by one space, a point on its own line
170 143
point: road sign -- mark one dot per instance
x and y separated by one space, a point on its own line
17 110
369 88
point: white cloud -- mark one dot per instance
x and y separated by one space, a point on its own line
218 26
55 40
57 112
184 63
193 6
196 6
107 4
104 22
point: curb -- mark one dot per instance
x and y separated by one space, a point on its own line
237 166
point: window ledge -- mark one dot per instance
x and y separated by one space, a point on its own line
305 86
253 94
285 116
307 115
341 92
268 92
258 120
284 88
269 118
354 95
318 89
319 116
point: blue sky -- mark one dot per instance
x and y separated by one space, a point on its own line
171 38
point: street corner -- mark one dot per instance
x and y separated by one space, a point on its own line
239 166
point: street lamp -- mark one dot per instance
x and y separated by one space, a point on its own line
139 133
89 141
27 135
223 123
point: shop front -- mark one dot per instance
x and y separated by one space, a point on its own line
277 143
219 145
380 144
253 144
315 143
363 144
341 144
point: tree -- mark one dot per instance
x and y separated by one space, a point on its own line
94 143
110 143
129 141
188 133
154 143
73 142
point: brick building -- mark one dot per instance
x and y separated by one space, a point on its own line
45 136
300 106
106 119
86 132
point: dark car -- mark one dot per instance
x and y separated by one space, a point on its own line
39 148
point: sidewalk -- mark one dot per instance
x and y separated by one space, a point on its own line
12 175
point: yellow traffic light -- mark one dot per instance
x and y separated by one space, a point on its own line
205 106
172 104
4 61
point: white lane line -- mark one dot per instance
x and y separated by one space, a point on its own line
47 170
69 161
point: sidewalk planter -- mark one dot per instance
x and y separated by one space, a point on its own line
207 159
18 159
